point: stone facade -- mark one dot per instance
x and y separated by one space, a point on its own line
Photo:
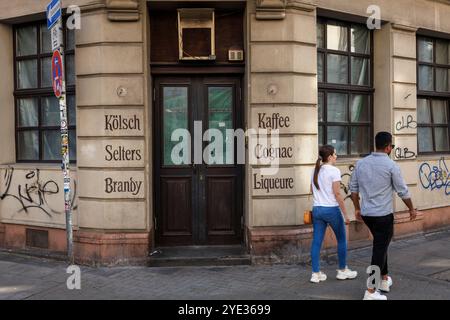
113 205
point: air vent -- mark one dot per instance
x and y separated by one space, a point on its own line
235 55
37 238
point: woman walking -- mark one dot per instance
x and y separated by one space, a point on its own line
328 208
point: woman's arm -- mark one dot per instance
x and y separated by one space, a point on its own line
337 194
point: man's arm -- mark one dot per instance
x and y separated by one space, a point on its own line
355 200
354 189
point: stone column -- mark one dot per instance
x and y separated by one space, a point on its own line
111 128
7 122
283 96
396 102
7 129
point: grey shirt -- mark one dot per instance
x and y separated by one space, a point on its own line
376 177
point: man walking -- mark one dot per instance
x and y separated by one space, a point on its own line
376 177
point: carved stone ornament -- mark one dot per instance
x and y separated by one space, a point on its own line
270 9
122 10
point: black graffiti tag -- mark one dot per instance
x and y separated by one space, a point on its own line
33 193
408 124
345 186
404 153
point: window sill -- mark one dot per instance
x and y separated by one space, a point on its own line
40 166
347 161
432 157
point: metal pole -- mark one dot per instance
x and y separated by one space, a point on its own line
65 156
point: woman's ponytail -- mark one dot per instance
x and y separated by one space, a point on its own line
324 153
316 172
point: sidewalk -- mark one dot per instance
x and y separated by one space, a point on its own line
419 266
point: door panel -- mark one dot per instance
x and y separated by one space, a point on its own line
177 215
221 206
198 203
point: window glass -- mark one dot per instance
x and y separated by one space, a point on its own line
27 74
337 37
426 78
337 68
425 139
337 107
28 145
359 108
175 109
338 138
425 50
360 137
360 39
360 71
26 38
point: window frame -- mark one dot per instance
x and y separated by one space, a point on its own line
349 89
40 92
432 95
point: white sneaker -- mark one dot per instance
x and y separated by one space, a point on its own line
374 296
385 285
316 277
346 274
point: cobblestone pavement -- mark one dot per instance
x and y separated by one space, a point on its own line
419 266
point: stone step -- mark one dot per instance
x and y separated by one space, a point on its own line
199 256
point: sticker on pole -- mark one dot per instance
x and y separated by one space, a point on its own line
53 13
57 73
57 36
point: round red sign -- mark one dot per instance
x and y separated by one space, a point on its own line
57 73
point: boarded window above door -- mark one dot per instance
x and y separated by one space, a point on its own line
164 46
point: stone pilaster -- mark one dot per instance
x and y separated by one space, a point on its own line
7 128
283 96
396 103
111 129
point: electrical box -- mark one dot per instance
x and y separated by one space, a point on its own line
235 55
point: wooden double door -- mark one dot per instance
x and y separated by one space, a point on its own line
197 181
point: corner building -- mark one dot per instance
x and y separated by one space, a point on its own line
138 70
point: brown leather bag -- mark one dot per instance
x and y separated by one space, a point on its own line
307 214
307 217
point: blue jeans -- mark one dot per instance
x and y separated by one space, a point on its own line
322 216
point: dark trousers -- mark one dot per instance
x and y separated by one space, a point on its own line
382 229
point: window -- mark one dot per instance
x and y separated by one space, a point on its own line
433 87
38 134
344 67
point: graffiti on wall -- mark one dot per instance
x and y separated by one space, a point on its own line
435 177
407 122
404 153
345 181
32 191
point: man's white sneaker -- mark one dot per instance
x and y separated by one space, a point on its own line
346 274
316 277
374 296
385 285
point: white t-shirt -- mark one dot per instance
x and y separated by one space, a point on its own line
325 196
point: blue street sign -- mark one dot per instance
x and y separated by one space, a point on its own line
53 13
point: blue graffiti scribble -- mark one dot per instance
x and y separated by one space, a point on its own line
435 177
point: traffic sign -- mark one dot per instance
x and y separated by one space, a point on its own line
57 74
53 13
57 35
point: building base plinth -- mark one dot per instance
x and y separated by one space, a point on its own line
111 248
